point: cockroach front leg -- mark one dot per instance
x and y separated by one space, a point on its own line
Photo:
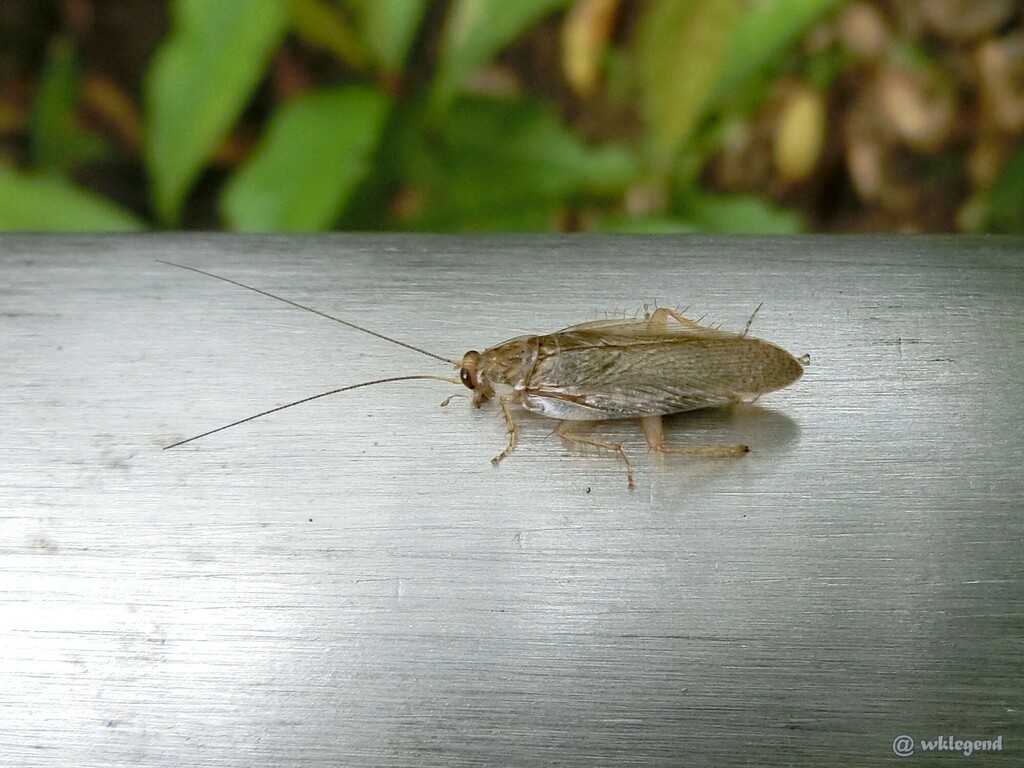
563 430
656 440
511 432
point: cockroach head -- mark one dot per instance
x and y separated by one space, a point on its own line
468 369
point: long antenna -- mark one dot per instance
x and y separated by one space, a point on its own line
311 397
296 304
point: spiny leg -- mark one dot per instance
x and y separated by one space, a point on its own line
750 322
656 439
659 319
511 433
563 431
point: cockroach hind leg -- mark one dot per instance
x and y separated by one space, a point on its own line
750 321
564 430
655 435
659 319
510 423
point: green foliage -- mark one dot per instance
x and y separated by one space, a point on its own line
199 82
502 165
384 147
703 212
1006 201
680 47
760 35
316 150
738 214
321 24
475 31
58 142
388 28
49 204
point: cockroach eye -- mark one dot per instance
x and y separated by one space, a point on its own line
467 372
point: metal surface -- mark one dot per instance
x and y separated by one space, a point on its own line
351 582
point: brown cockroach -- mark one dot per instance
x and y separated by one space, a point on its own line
636 368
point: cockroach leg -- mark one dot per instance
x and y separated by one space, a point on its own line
750 322
659 319
511 433
563 430
656 440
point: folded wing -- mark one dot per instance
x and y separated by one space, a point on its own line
625 368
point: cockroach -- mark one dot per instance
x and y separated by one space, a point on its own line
633 368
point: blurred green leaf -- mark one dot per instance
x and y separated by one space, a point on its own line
57 142
738 214
199 81
388 28
49 204
648 225
321 23
500 165
315 152
761 35
475 31
680 50
1006 201
707 212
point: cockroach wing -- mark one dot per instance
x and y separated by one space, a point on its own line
626 369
